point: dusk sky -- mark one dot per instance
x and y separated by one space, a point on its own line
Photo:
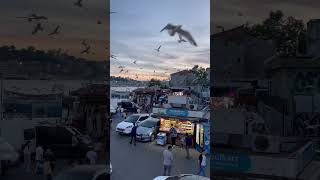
225 13
76 23
135 34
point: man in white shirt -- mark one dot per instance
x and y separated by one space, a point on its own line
202 164
167 161
39 159
92 156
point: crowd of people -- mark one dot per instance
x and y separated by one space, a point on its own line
168 161
42 161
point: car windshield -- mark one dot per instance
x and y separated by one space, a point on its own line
132 119
149 124
74 176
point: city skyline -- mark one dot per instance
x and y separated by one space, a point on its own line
135 34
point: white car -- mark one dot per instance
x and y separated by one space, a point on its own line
126 126
182 177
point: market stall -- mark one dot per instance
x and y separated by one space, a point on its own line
182 125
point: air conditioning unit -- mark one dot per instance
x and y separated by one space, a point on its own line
265 143
193 107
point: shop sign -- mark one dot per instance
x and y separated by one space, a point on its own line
231 162
177 112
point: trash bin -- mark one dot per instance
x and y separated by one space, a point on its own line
161 139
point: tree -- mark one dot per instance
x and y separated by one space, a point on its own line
201 76
154 82
285 32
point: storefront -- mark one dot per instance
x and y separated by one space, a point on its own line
182 125
185 121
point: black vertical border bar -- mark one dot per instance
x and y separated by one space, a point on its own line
211 89
107 82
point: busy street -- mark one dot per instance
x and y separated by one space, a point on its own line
144 161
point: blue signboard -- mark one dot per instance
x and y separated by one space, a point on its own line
176 112
206 137
231 162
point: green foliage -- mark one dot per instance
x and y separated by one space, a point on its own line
154 82
201 76
285 32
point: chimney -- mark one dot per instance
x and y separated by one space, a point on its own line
313 37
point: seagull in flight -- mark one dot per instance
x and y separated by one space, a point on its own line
78 3
55 31
121 70
173 29
34 17
84 43
127 71
181 40
158 49
37 28
113 56
87 50
135 62
121 67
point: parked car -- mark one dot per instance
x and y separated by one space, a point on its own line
182 177
126 126
148 129
85 172
128 106
59 140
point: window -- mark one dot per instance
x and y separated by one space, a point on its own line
143 118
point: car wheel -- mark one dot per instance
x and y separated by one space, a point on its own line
152 137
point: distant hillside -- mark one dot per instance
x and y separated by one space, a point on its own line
120 81
29 63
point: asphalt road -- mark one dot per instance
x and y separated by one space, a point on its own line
144 161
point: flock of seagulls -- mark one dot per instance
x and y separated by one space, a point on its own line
183 35
38 27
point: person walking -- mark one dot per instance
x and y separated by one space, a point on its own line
188 143
91 156
47 170
27 156
133 134
50 156
173 135
39 160
202 164
167 161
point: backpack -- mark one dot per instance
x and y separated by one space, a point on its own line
173 132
